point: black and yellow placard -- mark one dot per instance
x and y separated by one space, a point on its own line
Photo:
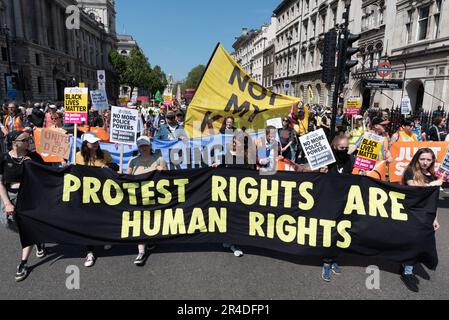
227 90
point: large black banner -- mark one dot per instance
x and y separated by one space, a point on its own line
301 214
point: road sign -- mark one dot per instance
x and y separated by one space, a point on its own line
384 69
287 85
101 75
379 84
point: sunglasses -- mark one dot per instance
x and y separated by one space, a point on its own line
24 140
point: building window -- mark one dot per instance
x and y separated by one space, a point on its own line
4 54
442 71
334 16
423 23
38 59
39 84
431 72
323 23
437 19
409 27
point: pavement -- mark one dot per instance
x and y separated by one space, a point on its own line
210 272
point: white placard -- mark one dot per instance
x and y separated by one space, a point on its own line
317 149
99 100
277 123
406 106
124 125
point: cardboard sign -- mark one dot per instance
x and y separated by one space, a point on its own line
353 106
406 106
369 152
99 100
445 164
124 125
403 153
75 105
277 123
54 142
124 102
317 149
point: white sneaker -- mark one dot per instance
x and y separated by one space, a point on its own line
90 260
237 251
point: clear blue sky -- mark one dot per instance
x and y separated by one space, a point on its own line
179 34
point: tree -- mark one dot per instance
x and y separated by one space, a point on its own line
157 81
135 71
119 62
194 77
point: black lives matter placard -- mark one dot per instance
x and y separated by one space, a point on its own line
312 214
317 149
124 125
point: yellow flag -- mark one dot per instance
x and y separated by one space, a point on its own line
226 90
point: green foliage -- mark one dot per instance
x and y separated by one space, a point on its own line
135 71
194 77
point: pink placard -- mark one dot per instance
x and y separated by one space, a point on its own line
352 112
364 164
75 118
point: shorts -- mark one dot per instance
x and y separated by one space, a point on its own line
9 221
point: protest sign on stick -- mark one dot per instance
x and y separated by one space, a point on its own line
124 127
99 100
55 142
368 152
317 149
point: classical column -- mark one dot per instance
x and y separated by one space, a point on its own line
18 21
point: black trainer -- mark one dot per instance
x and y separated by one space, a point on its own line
40 251
22 272
410 282
141 259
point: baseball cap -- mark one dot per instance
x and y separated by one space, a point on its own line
90 137
52 106
143 141
359 117
380 121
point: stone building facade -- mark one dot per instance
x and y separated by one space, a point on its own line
47 56
419 52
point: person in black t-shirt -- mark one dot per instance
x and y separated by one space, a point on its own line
240 155
344 161
420 173
11 171
437 131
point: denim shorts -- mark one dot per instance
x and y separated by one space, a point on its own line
8 221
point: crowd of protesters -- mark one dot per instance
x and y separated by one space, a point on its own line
166 123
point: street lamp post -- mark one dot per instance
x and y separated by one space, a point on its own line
289 41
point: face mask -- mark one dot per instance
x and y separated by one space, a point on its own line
341 156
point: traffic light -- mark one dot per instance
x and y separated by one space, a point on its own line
329 53
348 52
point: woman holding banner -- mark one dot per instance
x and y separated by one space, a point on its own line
241 154
145 163
91 155
420 173
11 170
